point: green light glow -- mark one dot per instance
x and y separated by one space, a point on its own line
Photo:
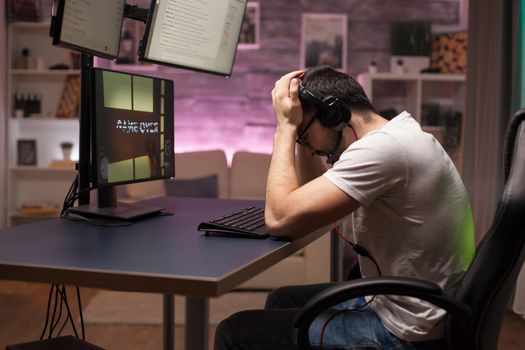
467 243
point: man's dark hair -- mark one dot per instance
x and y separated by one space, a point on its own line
325 81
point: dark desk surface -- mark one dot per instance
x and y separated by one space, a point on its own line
163 254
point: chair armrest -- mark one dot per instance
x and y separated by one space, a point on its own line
459 315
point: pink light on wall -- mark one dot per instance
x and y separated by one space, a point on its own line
230 140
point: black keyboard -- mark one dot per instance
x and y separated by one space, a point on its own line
247 223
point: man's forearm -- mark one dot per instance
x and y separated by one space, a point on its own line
282 175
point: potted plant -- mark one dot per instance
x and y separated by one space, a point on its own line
66 150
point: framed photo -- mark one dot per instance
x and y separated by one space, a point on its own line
323 40
132 33
249 36
24 10
26 152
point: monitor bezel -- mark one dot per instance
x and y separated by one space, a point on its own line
93 131
144 43
56 31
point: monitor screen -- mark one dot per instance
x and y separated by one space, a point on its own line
200 35
92 26
132 136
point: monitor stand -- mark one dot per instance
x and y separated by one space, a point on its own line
109 208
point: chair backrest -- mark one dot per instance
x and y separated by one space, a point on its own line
189 165
248 175
196 164
491 277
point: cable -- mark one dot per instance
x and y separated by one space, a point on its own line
329 319
64 295
60 293
360 251
72 195
55 324
48 309
81 316
71 191
54 312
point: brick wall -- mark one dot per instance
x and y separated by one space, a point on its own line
236 113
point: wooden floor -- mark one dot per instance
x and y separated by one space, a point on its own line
23 307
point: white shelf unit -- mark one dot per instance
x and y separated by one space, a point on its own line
417 94
39 184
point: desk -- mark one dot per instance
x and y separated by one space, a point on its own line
163 254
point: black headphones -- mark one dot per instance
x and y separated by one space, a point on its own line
333 113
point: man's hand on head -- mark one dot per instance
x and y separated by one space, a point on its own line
286 104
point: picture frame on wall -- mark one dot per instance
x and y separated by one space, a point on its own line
132 34
324 40
250 29
24 10
26 152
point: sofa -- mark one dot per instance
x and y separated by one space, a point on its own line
206 173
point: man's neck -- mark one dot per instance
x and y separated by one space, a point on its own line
364 123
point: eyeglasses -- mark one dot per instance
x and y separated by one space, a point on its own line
301 137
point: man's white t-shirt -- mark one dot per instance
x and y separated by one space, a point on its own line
414 219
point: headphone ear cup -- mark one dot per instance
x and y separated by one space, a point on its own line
336 117
329 117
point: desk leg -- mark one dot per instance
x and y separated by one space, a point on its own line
169 322
336 268
197 323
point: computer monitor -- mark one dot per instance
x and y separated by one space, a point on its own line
131 139
198 35
92 26
132 128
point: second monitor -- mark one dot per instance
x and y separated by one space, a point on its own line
198 35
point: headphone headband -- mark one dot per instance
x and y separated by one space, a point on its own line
334 114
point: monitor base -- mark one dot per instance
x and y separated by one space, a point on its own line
123 211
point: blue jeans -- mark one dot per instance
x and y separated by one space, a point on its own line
272 328
357 329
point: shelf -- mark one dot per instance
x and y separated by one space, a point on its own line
31 25
415 77
44 120
42 172
20 215
46 72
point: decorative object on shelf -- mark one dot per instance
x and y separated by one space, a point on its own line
398 67
449 52
66 147
59 66
410 41
323 40
372 67
70 98
22 61
27 105
39 208
249 36
24 10
26 152
132 34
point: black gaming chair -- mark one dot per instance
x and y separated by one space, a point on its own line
476 311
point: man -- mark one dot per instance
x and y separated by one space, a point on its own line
409 209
